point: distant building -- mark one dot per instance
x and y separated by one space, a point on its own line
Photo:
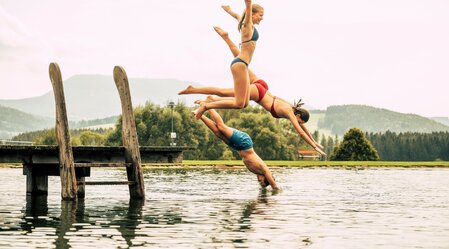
11 142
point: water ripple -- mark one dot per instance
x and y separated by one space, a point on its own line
210 208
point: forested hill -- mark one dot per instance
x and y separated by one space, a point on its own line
96 96
339 119
443 120
14 121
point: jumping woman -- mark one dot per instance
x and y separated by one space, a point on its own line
239 66
258 91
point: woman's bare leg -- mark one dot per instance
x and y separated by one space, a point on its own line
234 50
214 128
222 92
216 125
224 34
224 129
210 124
241 91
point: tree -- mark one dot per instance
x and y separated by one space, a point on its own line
91 138
354 147
46 137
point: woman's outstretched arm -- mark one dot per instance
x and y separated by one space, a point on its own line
222 92
267 174
304 135
248 13
310 136
230 12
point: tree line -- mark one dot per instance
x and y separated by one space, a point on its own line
411 146
274 139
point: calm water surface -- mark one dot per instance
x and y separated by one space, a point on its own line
211 208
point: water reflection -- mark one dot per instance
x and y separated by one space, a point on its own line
73 221
317 208
255 207
71 212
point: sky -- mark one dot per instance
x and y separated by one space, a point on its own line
391 54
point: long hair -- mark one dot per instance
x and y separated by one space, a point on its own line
255 8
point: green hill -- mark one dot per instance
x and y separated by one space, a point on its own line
96 96
13 122
443 120
339 119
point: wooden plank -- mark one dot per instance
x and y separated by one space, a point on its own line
107 182
129 135
66 166
45 154
103 165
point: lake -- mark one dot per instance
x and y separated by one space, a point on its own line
225 208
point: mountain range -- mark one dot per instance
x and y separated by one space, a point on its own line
95 98
338 119
13 122
443 120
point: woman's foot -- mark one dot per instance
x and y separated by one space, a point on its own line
221 32
210 98
200 110
187 90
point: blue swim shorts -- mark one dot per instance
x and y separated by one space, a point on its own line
240 141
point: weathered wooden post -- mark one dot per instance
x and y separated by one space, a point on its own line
129 136
66 165
37 184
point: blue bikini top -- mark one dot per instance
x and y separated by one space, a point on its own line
255 36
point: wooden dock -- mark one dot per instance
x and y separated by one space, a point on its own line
73 164
39 162
43 154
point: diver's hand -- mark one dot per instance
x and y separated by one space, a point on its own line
320 151
226 8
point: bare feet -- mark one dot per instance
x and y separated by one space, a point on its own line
187 90
200 110
210 98
221 32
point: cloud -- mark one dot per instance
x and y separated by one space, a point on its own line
22 54
384 53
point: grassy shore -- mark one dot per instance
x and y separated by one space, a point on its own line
238 163
443 164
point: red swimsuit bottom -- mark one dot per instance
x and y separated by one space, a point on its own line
262 88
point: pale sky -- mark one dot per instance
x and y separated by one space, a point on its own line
391 54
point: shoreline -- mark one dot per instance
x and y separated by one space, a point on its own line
222 164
